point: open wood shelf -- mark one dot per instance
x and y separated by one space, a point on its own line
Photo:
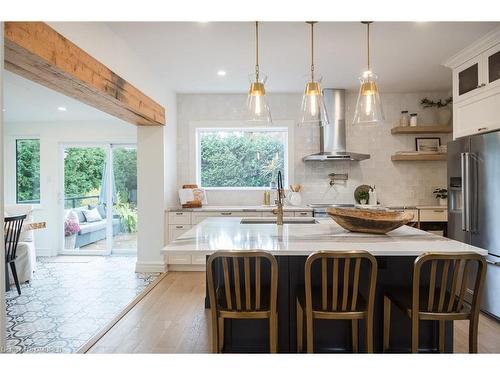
423 157
422 129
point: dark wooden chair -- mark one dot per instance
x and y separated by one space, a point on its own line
12 230
442 299
341 301
226 300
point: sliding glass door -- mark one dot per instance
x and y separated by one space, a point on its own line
100 199
124 198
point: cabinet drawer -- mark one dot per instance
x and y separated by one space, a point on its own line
177 230
179 259
303 213
198 259
179 217
434 215
272 214
198 217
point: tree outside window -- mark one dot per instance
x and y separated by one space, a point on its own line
241 158
27 170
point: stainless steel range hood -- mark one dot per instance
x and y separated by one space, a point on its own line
332 135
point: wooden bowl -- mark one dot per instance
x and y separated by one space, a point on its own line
369 221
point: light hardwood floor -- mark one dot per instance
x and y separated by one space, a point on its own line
172 319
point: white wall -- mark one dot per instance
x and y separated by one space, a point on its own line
52 135
156 186
2 250
397 183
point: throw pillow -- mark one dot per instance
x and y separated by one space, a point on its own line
92 215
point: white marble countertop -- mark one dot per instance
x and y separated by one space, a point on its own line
240 208
214 234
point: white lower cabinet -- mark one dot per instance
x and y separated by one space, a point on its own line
272 214
179 222
198 259
179 259
437 215
177 230
303 214
198 217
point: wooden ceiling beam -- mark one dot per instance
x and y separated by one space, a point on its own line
37 52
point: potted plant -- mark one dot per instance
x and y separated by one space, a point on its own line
71 228
442 195
443 113
363 197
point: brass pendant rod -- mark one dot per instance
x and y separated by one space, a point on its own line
367 23
312 47
257 50
368 43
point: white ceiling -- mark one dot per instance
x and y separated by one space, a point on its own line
406 55
27 101
187 55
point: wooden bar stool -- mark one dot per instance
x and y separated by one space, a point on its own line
439 300
346 284
226 302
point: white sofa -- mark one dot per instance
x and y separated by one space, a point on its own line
25 254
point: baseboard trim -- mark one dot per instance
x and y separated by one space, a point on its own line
89 344
150 267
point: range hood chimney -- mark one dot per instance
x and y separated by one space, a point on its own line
333 135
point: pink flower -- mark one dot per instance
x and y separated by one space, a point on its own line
71 226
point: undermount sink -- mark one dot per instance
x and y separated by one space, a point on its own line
272 220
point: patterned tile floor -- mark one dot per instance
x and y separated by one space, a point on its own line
69 300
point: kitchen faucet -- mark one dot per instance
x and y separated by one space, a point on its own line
279 201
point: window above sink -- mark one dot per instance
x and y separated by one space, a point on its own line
241 158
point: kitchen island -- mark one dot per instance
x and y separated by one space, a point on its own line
291 244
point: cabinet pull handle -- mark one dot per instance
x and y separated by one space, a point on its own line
481 85
179 213
439 211
303 213
179 226
226 213
482 129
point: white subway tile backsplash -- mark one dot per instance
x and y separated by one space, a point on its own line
397 183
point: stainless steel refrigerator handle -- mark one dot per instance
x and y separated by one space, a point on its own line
463 175
467 207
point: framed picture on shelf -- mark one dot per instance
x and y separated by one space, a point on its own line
427 144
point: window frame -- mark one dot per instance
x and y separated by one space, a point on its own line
15 140
286 158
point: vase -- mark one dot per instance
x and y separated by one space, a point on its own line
444 115
70 242
294 198
443 201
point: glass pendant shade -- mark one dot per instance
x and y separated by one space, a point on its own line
313 106
368 107
257 107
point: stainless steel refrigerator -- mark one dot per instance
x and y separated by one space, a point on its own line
474 204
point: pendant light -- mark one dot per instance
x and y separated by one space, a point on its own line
257 107
313 107
368 107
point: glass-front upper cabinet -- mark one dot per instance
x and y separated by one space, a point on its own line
468 77
492 57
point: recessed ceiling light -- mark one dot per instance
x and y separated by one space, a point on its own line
3 109
62 109
221 73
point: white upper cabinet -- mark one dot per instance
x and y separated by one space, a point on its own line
476 86
467 79
492 65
